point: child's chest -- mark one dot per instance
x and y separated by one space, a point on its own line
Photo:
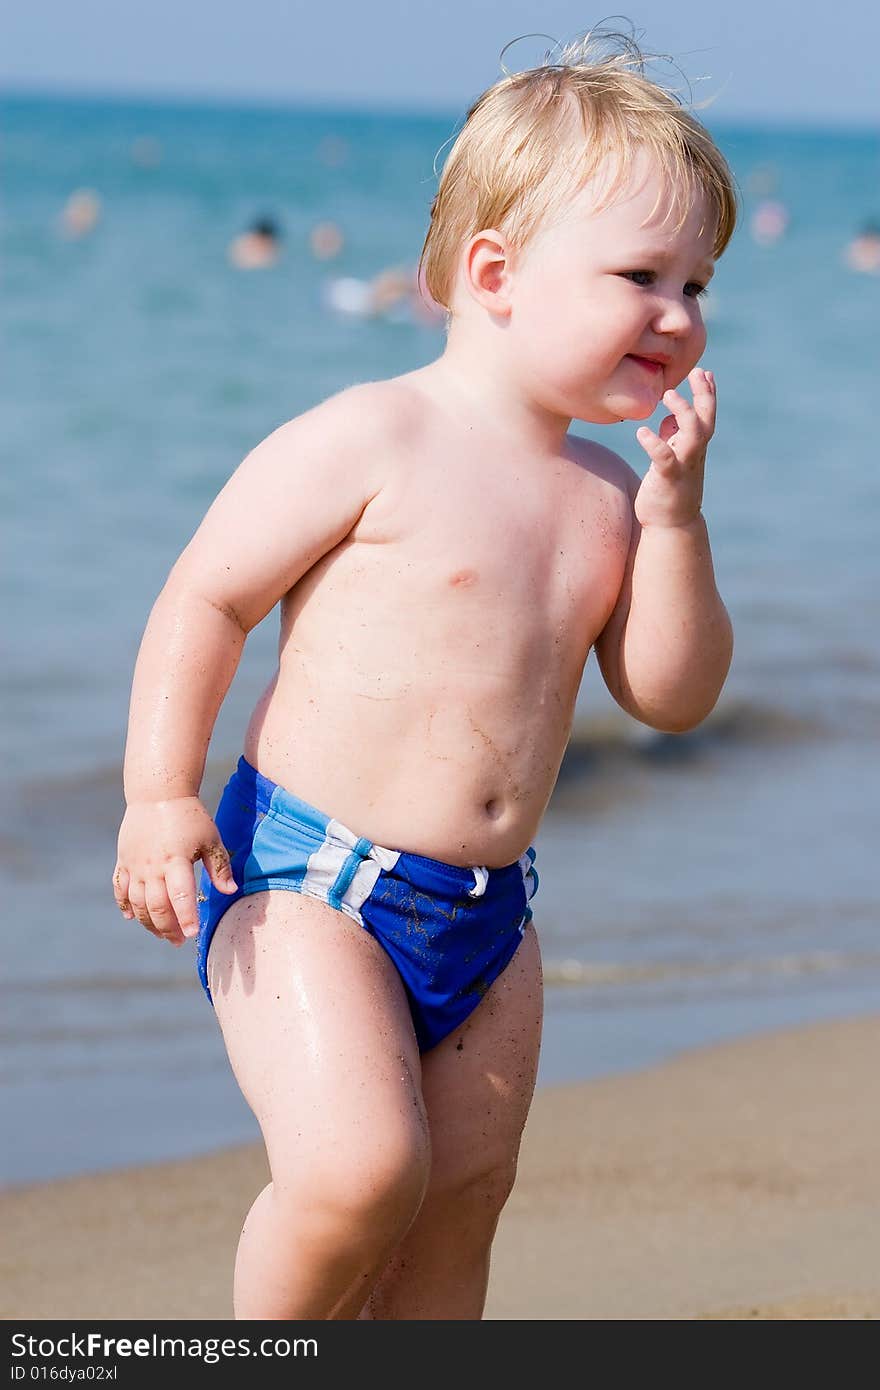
549 547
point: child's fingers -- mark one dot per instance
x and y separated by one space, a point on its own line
181 890
658 450
667 428
120 890
161 912
702 384
694 425
137 898
216 860
685 414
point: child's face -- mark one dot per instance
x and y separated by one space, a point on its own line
596 293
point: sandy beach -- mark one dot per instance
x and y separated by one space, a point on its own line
738 1181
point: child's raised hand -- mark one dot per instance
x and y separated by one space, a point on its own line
159 841
671 493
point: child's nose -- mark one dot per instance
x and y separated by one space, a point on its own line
674 316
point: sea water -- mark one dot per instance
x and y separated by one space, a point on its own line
693 887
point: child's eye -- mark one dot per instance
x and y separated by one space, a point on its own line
640 277
694 291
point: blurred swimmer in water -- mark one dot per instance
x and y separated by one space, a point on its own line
863 252
326 240
398 293
257 248
769 221
81 213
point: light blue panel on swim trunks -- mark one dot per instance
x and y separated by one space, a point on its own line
282 847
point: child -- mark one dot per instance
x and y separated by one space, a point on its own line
445 555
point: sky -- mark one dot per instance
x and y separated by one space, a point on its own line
779 61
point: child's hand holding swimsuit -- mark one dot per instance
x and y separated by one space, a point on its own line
159 841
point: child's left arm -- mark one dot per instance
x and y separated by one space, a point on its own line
666 649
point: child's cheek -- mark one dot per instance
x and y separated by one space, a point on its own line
696 346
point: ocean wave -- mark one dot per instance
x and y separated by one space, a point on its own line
594 735
733 721
609 758
607 974
100 984
100 992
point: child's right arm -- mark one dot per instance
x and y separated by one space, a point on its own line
294 498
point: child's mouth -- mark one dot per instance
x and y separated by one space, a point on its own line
646 362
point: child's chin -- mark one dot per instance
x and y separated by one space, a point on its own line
636 405
625 408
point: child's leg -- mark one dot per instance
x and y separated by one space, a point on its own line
319 1034
478 1085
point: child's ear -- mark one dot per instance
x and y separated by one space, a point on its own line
487 271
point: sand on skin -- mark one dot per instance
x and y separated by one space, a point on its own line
738 1181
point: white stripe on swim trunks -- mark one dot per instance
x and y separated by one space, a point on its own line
529 872
327 863
481 878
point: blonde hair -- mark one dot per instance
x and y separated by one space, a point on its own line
535 137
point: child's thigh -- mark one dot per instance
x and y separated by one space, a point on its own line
318 1031
479 1081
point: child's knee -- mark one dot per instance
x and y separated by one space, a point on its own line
375 1188
476 1195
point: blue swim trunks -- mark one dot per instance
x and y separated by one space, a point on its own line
450 931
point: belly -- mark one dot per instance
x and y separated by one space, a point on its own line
426 688
457 767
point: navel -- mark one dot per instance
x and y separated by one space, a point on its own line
462 578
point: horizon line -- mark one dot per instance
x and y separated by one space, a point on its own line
334 105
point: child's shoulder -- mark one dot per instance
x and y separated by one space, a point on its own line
363 421
373 410
606 467
343 442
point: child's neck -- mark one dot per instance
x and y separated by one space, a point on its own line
483 385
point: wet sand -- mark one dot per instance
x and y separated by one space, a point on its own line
734 1182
